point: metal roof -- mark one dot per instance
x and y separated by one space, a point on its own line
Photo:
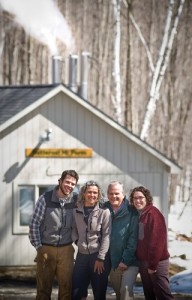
14 99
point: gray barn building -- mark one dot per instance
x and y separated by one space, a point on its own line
47 129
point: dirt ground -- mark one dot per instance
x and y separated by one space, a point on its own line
26 290
19 284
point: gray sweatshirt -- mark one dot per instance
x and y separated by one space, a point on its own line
95 235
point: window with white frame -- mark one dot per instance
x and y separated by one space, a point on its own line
24 203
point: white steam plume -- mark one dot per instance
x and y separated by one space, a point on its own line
41 19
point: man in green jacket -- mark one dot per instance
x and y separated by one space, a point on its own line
123 241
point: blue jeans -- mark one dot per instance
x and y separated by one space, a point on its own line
156 285
83 275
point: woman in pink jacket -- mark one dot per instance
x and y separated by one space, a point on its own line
152 249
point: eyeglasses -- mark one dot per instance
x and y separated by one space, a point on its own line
138 198
91 182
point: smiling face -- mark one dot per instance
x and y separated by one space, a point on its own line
91 195
139 200
115 195
67 185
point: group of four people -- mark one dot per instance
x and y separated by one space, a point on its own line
115 239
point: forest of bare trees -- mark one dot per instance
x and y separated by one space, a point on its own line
139 66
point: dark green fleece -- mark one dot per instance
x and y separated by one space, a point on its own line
124 234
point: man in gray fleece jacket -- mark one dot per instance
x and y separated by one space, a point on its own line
50 233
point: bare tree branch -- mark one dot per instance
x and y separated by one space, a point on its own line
161 65
116 61
2 34
141 38
169 47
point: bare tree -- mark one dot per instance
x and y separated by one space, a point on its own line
140 36
161 65
1 31
116 61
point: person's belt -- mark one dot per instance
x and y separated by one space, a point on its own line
60 245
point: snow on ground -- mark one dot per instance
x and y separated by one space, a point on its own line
180 246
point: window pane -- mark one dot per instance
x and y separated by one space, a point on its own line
26 204
43 189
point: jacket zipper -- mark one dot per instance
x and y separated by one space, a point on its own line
61 224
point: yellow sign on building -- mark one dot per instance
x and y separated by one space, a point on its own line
59 152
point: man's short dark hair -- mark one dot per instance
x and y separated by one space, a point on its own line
71 173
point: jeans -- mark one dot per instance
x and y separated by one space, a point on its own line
122 279
51 262
83 275
156 285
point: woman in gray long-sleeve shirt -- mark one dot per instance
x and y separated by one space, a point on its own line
91 232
